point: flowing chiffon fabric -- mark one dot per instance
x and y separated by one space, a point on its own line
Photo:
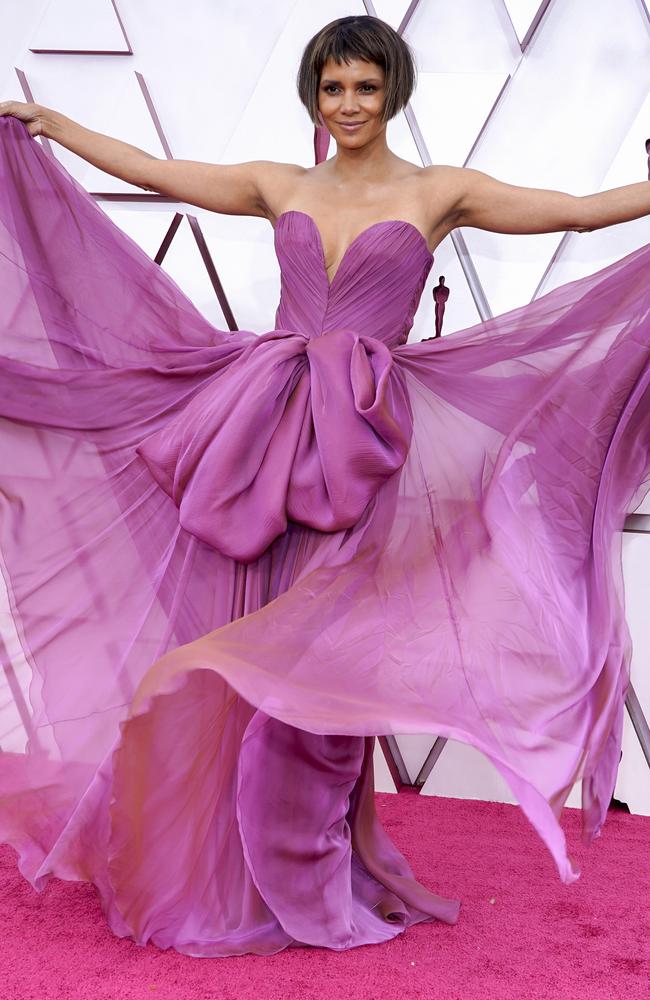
231 560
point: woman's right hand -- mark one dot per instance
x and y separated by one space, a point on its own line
30 114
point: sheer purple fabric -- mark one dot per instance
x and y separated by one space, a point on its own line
231 561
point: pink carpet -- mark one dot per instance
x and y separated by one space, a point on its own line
521 934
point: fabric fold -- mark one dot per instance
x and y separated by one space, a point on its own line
301 429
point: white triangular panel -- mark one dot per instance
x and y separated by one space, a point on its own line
118 110
463 772
510 267
146 225
574 799
79 25
584 253
460 311
242 249
451 109
522 13
466 36
183 262
127 118
555 127
633 785
383 779
400 139
392 11
414 750
193 65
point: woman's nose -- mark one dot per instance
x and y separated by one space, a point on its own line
350 102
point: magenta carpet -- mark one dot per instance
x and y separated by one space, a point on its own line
521 933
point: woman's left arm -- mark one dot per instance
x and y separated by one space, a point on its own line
486 203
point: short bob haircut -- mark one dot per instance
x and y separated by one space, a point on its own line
358 37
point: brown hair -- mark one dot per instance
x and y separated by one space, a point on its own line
358 37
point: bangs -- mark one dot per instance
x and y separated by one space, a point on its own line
362 37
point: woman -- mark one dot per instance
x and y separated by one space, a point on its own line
232 560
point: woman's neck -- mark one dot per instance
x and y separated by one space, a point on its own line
370 162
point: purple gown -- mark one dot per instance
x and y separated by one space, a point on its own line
231 561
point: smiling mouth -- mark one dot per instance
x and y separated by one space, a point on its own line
350 124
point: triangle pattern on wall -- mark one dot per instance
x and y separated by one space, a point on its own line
71 27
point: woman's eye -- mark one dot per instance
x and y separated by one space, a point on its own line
331 87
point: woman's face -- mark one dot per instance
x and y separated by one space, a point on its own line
350 99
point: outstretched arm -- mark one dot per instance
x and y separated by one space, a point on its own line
237 189
486 203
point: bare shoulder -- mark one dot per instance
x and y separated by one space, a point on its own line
441 192
278 169
443 178
458 180
275 182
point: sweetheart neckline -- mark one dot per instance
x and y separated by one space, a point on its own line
373 225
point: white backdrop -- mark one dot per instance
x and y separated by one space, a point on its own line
551 94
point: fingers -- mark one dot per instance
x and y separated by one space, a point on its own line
15 108
19 109
25 113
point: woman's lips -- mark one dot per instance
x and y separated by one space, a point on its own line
350 126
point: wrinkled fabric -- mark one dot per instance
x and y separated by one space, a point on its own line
232 560
306 429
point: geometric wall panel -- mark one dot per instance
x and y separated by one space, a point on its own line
633 783
392 11
525 16
146 226
183 262
460 311
117 109
461 771
81 27
557 126
451 108
242 249
584 253
466 36
191 55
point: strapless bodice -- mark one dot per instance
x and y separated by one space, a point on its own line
375 291
312 417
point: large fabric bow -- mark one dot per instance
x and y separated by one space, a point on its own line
297 428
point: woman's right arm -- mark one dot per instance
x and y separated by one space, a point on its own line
232 189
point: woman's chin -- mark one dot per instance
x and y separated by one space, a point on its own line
352 140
